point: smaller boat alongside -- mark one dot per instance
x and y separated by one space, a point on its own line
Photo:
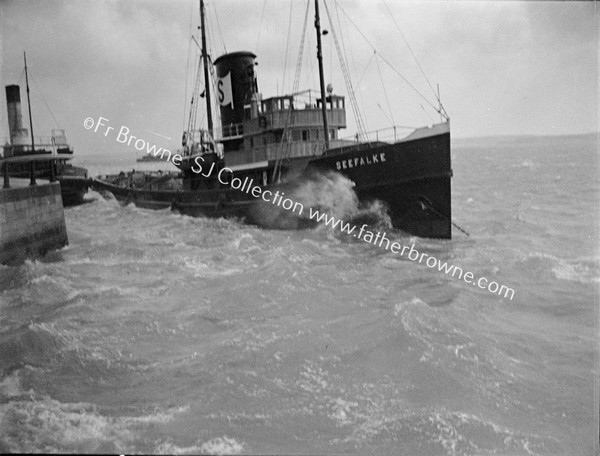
150 158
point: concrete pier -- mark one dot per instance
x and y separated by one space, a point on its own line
32 220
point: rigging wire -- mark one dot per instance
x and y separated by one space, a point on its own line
211 38
43 99
211 11
298 72
411 52
425 111
366 68
212 71
216 112
284 153
198 83
262 16
346 74
287 47
187 66
310 62
4 129
383 112
195 93
342 31
342 40
387 99
31 120
193 103
219 27
387 61
330 58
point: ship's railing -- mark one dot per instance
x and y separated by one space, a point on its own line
273 120
278 151
297 118
31 160
41 143
398 133
198 142
309 117
232 131
390 134
272 152
40 150
57 139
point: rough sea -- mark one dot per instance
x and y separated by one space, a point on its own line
154 332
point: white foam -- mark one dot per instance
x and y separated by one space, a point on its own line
46 425
222 445
11 385
342 411
582 270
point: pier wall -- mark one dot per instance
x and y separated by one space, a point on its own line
32 222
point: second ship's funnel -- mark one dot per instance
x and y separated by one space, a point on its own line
18 134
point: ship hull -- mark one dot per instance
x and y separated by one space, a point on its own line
73 179
412 178
73 189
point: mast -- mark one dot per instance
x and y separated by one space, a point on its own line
205 65
29 104
321 75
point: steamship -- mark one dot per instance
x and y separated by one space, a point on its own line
277 142
44 158
149 158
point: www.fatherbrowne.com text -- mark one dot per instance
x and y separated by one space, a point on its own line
380 239
276 198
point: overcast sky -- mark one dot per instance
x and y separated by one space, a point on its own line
502 67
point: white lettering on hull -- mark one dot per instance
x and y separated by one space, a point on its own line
356 162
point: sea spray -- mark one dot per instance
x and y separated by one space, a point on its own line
326 191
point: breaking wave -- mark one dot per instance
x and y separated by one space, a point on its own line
326 191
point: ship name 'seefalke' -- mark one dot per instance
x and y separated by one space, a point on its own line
360 161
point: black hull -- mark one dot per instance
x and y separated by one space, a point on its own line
73 180
73 190
412 178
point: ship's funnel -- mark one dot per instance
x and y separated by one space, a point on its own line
18 134
236 87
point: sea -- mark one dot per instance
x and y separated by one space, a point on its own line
153 332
